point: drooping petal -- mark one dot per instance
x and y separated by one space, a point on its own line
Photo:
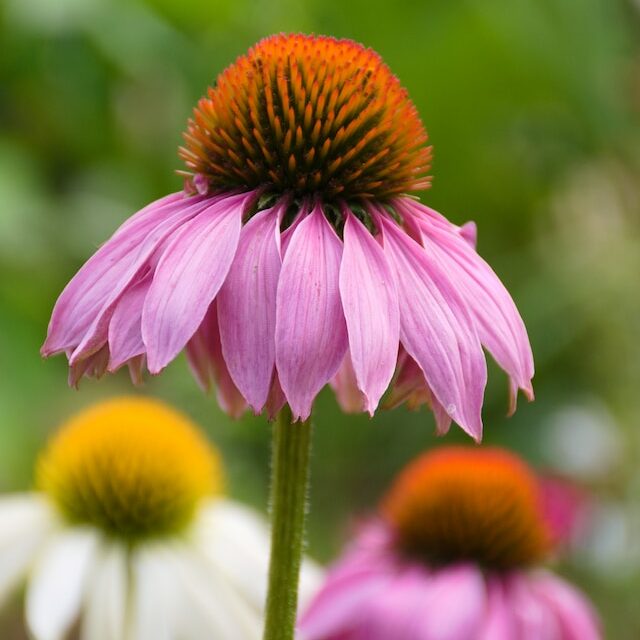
247 308
345 386
198 353
499 323
96 334
93 366
25 522
156 211
136 368
576 617
410 386
125 335
370 303
276 399
436 329
188 277
86 293
419 213
204 354
311 335
500 326
58 584
108 592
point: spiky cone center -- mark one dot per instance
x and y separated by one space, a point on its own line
308 115
132 467
460 504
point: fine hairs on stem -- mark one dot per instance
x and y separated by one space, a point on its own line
291 443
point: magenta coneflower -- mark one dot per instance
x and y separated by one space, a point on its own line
456 555
294 255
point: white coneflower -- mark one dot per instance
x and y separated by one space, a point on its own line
129 534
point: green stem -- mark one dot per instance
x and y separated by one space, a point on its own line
289 482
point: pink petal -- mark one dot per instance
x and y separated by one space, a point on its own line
85 294
399 610
342 603
188 277
533 616
436 330
198 354
421 213
136 367
453 605
164 207
247 308
96 334
345 386
94 366
576 617
204 354
201 184
500 326
287 234
125 336
311 336
469 231
498 623
411 387
370 303
499 323
276 399
443 419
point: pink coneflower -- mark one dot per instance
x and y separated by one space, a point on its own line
294 255
455 556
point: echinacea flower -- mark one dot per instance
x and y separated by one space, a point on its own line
129 534
456 555
295 256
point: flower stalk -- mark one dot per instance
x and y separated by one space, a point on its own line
291 444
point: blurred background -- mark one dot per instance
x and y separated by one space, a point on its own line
533 108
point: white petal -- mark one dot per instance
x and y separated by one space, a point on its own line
25 521
153 599
210 606
312 577
58 584
106 604
236 541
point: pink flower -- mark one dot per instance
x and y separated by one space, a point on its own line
472 573
294 259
